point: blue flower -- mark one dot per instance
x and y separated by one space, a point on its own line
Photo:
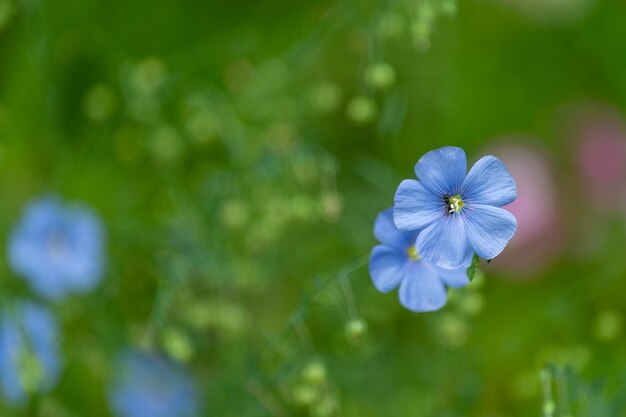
454 212
58 248
29 357
396 262
152 386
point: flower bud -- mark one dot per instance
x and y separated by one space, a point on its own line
356 329
361 110
325 98
304 394
177 344
380 75
314 373
608 326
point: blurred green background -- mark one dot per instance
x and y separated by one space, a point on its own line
239 152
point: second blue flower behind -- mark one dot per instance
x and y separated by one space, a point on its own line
396 262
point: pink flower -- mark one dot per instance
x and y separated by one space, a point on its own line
538 224
601 156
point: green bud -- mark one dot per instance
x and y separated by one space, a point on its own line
361 110
380 75
355 330
235 213
332 206
391 25
421 31
325 98
608 326
148 75
448 7
224 315
426 12
177 344
304 394
314 373
549 407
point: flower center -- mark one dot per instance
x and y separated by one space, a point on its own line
413 255
57 245
454 204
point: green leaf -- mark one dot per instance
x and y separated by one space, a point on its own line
471 271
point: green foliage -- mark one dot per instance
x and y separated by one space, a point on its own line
238 153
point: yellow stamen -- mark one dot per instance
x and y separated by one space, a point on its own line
455 204
413 255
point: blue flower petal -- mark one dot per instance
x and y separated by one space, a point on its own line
27 328
444 242
49 285
489 229
415 207
454 277
443 170
42 213
457 277
11 344
387 232
85 268
489 182
147 385
422 290
387 267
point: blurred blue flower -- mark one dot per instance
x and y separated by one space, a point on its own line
456 212
58 248
29 357
396 262
152 386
